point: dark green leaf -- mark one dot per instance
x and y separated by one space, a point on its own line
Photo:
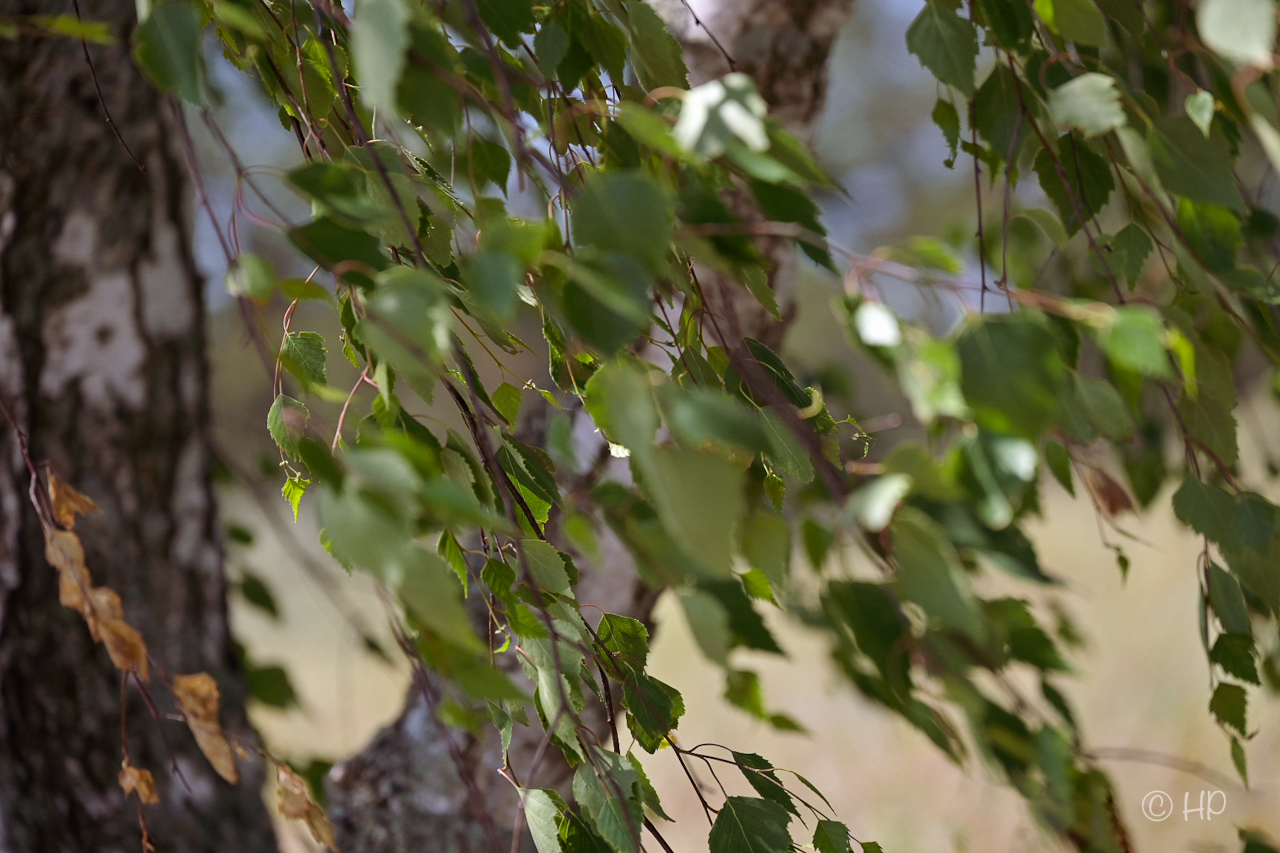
1212 233
607 790
507 19
1011 373
1228 705
256 592
832 836
626 212
656 56
271 686
764 779
1128 252
1076 179
1227 602
303 356
287 423
1191 165
1235 654
166 47
750 825
948 121
930 574
1208 509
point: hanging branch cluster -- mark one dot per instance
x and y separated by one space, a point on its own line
482 171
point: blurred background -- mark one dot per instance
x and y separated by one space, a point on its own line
327 674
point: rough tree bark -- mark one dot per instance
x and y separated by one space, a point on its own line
102 363
402 791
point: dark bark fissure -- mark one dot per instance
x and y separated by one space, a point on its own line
102 364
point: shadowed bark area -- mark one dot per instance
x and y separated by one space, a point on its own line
102 363
403 790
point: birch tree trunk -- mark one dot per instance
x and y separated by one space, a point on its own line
102 364
404 791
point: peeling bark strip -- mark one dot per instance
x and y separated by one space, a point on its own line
102 363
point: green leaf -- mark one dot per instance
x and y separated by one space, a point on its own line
745 624
709 624
1206 508
997 111
256 592
424 95
546 566
1235 654
493 280
303 356
490 162
1058 458
872 505
764 779
648 795
1048 222
1129 250
293 490
700 500
698 417
750 825
832 836
1191 165
1212 233
722 115
1087 185
1090 103
507 399
1133 338
550 46
1243 31
946 44
379 39
1104 407
429 591
624 211
948 121
656 56
1079 21
1200 107
507 19
271 686
330 244
1228 704
619 401
253 276
166 47
607 790
766 546
1011 373
1227 601
287 423
541 814
930 574
1240 761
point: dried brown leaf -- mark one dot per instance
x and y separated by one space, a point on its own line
126 647
68 501
64 552
135 780
198 697
1110 495
295 804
